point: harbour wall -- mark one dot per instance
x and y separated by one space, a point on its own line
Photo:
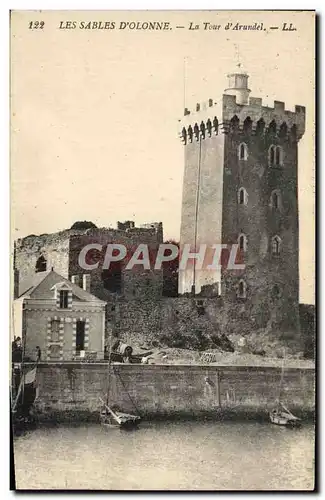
71 391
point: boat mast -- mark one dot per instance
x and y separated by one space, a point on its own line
282 376
22 369
109 367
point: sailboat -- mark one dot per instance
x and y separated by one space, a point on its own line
280 415
109 416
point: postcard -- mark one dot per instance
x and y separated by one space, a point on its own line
163 250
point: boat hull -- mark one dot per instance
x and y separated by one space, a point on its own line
284 421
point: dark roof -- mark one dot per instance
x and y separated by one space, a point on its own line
40 285
32 282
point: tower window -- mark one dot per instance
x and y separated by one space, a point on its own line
41 264
275 155
276 245
242 196
276 293
241 291
243 151
283 130
234 123
260 126
272 127
64 294
242 242
247 127
275 200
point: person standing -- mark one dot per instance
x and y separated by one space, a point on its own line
38 354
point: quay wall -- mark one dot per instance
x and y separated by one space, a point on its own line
72 390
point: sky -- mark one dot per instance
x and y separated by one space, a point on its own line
95 113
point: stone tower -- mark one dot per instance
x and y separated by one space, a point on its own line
241 187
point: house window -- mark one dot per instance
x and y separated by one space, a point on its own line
242 151
241 291
54 353
275 155
41 264
276 245
55 330
242 242
242 196
64 294
80 336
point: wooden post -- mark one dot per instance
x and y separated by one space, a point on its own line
218 388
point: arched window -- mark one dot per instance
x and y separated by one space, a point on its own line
242 196
272 127
276 245
241 290
242 242
234 123
242 151
271 155
278 155
283 131
275 200
247 126
260 126
275 155
293 132
41 264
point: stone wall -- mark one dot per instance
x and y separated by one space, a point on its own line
307 328
53 247
73 390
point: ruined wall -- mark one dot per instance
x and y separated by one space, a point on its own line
61 251
134 282
73 390
53 247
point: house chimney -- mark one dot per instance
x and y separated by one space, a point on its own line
75 279
86 282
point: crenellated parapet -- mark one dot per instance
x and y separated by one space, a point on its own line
277 119
210 118
203 122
